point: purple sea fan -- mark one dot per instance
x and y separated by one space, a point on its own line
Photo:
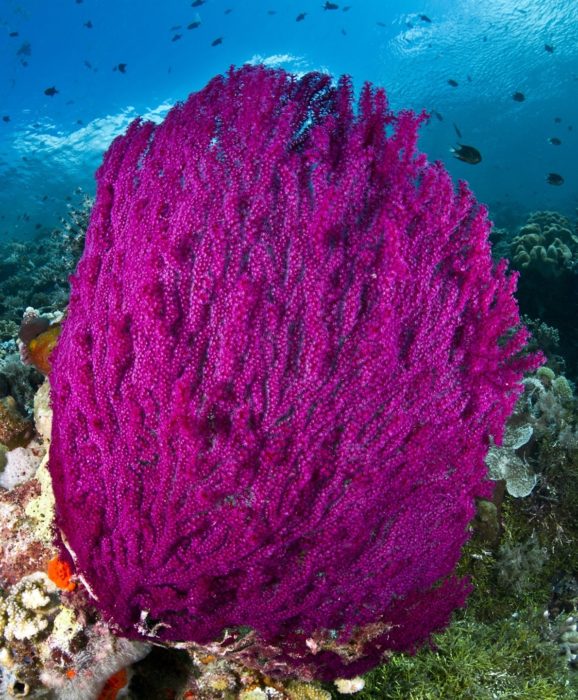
285 352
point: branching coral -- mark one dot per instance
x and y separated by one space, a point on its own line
285 353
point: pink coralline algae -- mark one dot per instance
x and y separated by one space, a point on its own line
285 353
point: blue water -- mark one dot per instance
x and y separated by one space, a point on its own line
51 145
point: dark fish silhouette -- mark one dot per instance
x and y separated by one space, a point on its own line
346 8
88 64
457 130
344 32
381 24
452 82
425 18
228 10
330 6
121 67
467 154
197 3
301 16
518 97
271 12
549 48
555 141
193 25
5 118
51 91
554 179
217 41
557 120
177 37
88 24
437 115
13 34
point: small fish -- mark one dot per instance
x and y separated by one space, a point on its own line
557 120
381 24
193 25
437 115
469 77
452 82
88 64
570 127
88 24
25 49
554 179
554 140
330 6
549 48
6 118
271 12
121 67
344 32
13 34
425 18
228 10
177 37
197 3
51 91
467 154
518 97
457 130
217 41
301 16
346 8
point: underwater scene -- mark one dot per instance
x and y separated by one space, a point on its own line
289 350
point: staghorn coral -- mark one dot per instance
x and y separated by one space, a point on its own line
285 352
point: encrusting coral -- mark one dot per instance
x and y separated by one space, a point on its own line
285 352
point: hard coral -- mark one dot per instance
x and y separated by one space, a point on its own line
15 430
285 353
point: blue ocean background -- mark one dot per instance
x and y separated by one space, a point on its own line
108 61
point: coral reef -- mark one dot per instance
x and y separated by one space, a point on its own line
15 430
35 273
545 245
546 253
285 351
504 463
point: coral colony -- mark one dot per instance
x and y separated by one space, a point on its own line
285 353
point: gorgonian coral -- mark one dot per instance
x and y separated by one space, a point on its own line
285 352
